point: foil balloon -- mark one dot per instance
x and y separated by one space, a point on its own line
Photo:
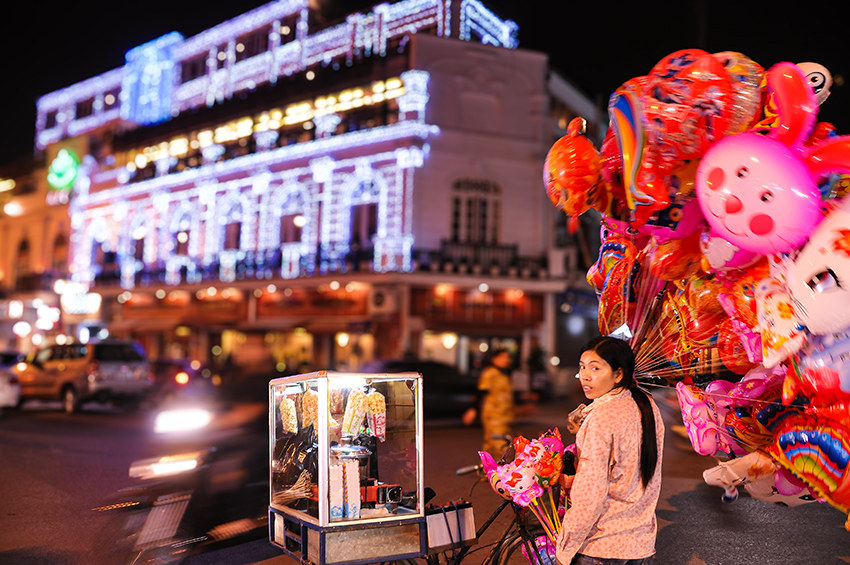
819 79
573 173
720 255
645 192
754 190
688 104
683 216
731 349
702 421
676 258
819 453
818 278
703 294
820 371
782 334
746 76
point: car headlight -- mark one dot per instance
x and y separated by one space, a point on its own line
170 421
162 466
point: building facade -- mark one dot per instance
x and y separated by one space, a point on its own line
275 191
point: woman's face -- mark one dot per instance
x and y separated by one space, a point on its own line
596 376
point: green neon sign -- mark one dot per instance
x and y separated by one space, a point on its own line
63 170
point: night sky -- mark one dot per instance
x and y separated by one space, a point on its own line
596 45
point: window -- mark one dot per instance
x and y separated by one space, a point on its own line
111 98
84 109
476 211
193 68
60 254
287 29
231 235
22 264
139 249
364 224
290 228
181 242
221 56
252 44
50 120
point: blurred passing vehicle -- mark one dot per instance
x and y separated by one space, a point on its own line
208 486
111 370
174 378
446 393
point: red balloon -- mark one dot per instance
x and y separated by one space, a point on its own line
702 326
732 352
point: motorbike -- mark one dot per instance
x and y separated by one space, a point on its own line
208 489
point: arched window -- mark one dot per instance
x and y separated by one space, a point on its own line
233 228
60 254
22 262
476 211
364 214
181 235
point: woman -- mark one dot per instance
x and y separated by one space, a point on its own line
618 478
496 399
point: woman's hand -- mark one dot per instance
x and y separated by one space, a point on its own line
468 417
566 481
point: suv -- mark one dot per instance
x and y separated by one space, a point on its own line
76 373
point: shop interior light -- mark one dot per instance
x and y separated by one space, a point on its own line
342 339
449 340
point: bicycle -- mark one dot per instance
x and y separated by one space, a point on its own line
521 533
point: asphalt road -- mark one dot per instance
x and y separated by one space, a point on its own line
55 468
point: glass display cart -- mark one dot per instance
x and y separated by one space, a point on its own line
346 467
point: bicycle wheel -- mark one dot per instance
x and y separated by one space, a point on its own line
512 552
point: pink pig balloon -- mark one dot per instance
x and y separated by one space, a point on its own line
758 191
757 194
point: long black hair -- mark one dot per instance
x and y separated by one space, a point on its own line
619 355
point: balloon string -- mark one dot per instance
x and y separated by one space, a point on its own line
715 396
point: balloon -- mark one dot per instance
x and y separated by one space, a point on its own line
745 76
645 192
787 484
572 173
754 190
721 255
819 79
732 352
676 259
683 217
701 418
703 294
820 371
687 102
782 335
818 278
538 463
819 453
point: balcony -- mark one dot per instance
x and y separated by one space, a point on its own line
290 262
497 260
36 282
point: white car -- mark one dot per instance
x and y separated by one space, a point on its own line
10 390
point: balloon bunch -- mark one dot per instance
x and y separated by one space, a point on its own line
532 474
726 253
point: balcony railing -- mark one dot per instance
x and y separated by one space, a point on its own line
273 264
36 281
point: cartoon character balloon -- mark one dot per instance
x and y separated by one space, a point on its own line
818 278
760 192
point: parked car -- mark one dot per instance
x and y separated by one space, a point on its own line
445 392
175 378
110 370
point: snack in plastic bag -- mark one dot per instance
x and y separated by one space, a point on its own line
310 408
355 410
288 418
377 415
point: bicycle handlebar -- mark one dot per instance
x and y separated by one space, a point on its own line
470 469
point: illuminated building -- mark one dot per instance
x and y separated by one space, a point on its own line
354 191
